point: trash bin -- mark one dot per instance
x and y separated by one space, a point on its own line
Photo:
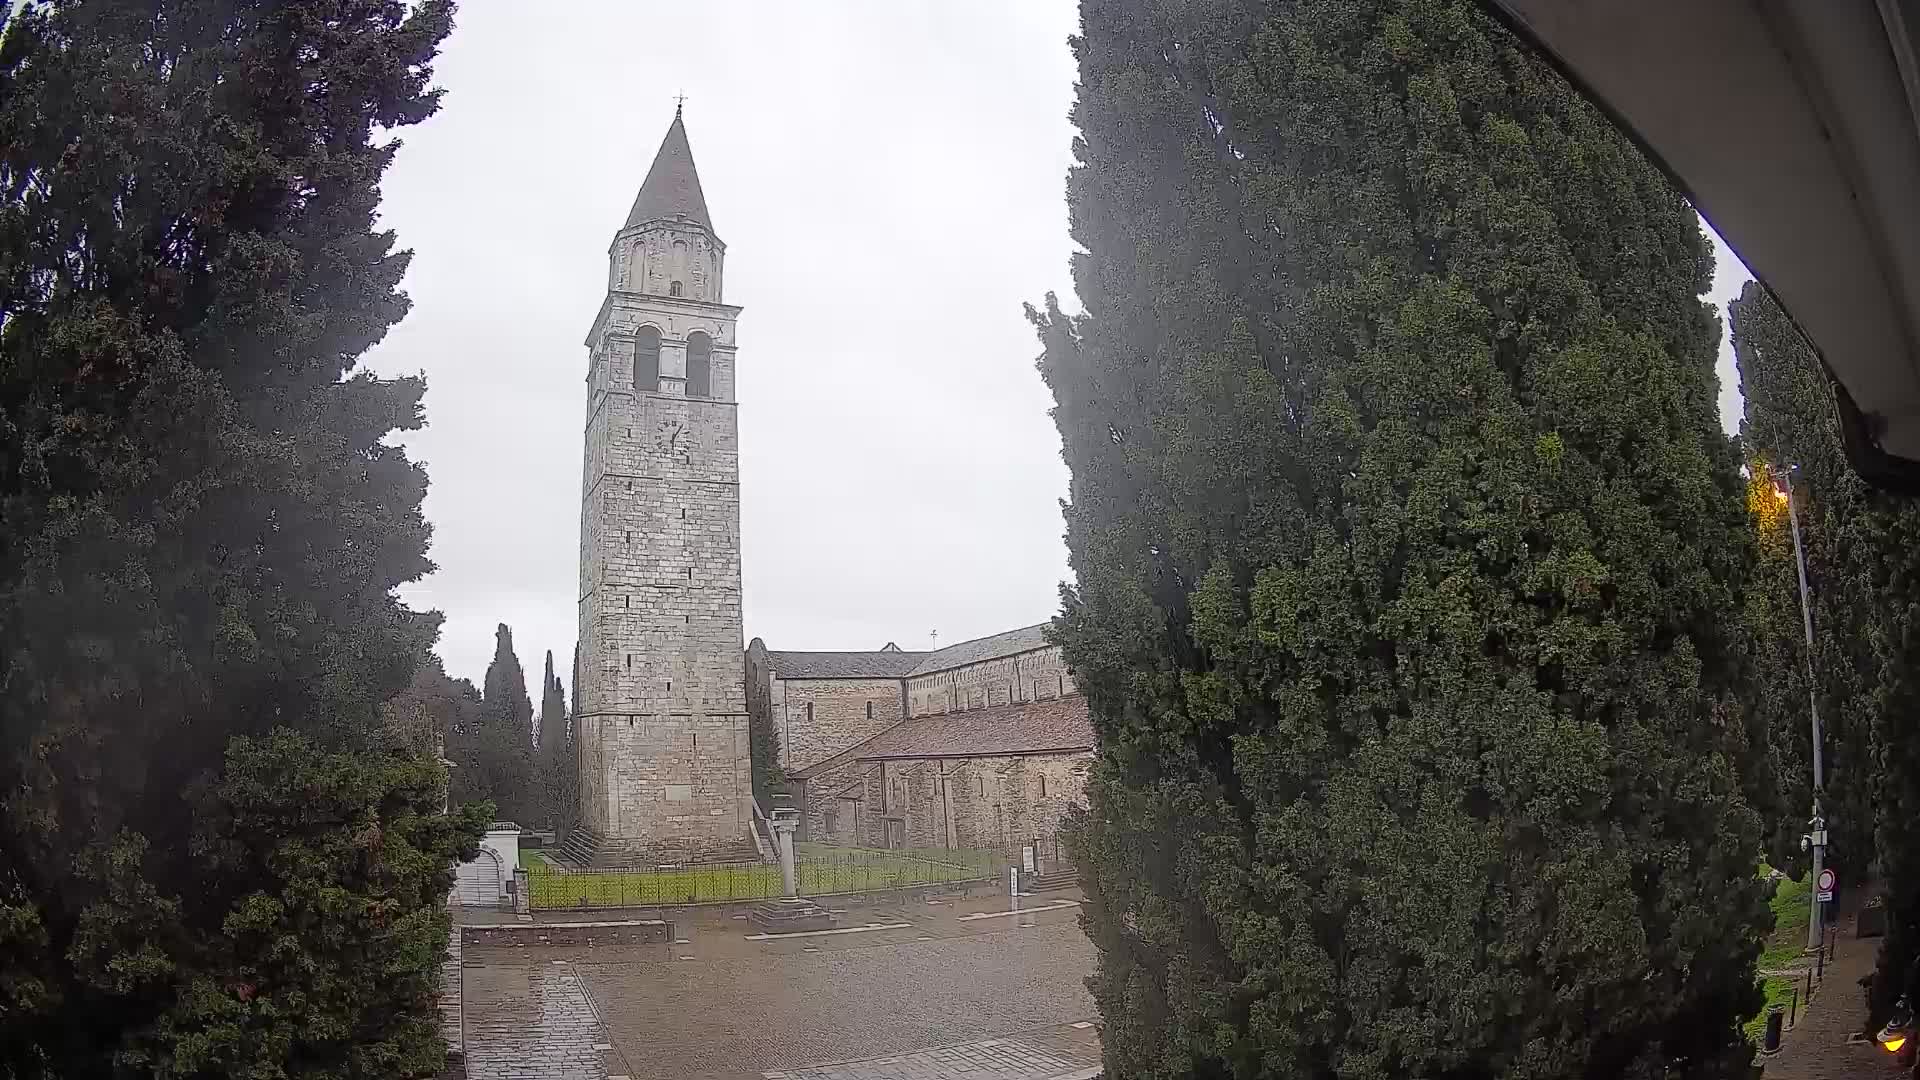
1770 1037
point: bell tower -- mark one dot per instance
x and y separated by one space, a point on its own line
662 714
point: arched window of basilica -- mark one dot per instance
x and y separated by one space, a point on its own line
646 360
699 364
674 289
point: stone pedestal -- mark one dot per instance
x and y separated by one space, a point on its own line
791 914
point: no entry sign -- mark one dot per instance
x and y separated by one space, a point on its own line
1823 888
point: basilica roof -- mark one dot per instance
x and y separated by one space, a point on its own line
992 647
1056 726
876 664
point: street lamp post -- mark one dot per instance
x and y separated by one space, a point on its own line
1817 825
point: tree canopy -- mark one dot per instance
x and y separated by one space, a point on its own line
493 750
1863 576
205 849
556 769
1405 541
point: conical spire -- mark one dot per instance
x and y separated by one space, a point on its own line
672 186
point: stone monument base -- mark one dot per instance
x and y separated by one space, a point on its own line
790 915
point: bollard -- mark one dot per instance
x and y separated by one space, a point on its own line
1793 1008
1770 1038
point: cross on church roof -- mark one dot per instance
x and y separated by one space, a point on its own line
679 99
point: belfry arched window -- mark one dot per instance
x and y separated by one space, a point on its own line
699 365
646 360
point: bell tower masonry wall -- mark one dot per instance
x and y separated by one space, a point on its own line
661 726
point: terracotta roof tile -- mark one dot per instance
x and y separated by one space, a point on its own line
1061 725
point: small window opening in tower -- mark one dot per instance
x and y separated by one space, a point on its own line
646 360
699 365
675 289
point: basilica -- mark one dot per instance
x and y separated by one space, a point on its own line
981 744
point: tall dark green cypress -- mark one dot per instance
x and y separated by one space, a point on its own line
1863 569
204 849
501 766
554 767
1789 424
1408 554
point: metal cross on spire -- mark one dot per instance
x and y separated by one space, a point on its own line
679 99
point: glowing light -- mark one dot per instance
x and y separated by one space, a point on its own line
1893 1045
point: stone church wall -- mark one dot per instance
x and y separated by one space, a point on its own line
679 779
997 803
815 719
1035 675
661 681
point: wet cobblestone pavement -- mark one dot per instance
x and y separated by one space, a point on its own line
525 1023
1049 1055
978 993
1824 1044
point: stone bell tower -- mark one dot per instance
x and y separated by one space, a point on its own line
662 713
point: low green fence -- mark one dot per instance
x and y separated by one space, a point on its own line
821 872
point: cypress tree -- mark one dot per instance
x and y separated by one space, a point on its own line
208 863
501 765
1863 569
556 767
1788 423
1408 555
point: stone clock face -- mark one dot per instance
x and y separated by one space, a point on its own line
673 440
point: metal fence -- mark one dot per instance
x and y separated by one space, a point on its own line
820 873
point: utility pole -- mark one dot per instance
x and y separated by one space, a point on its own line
1817 825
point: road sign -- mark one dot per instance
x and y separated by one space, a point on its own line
1823 889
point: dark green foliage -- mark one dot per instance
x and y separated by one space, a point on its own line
763 742
201 528
555 770
1789 422
420 718
1863 569
493 751
350 854
1407 548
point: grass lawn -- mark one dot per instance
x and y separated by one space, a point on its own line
822 871
1792 907
1792 903
1778 990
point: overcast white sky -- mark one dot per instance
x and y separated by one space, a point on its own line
889 179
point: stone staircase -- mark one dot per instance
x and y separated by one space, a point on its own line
581 848
1051 881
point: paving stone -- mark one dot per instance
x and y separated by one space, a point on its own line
1817 1048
